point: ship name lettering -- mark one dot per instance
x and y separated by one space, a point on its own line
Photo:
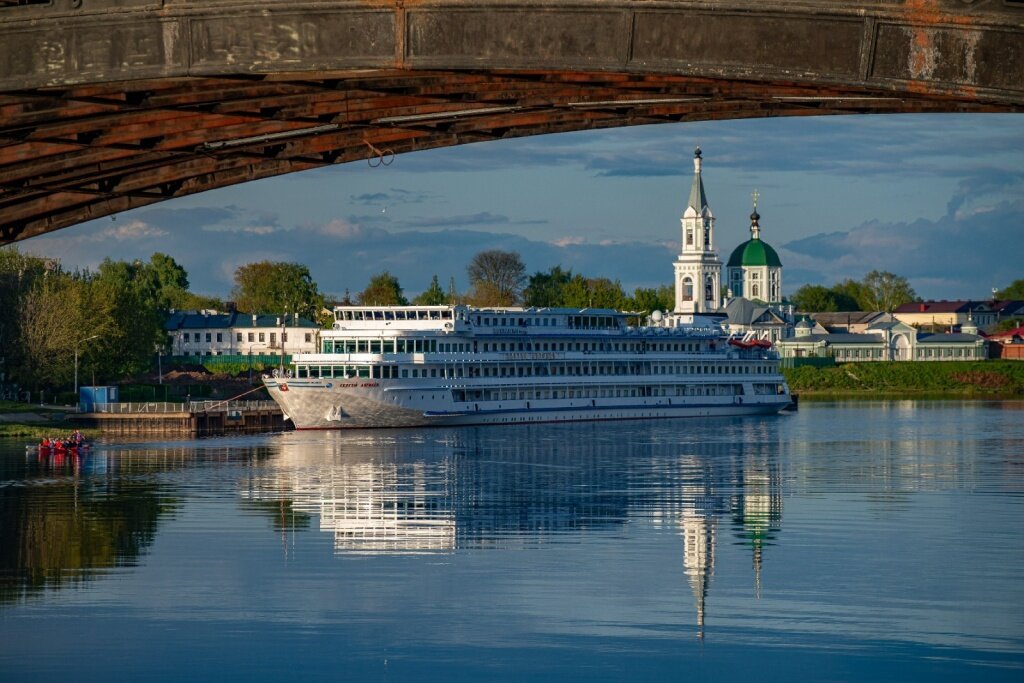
534 355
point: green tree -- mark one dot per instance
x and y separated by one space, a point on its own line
497 278
814 298
584 292
1015 291
433 296
1008 324
848 295
647 300
167 281
190 301
52 320
275 287
129 314
885 291
383 290
545 290
19 273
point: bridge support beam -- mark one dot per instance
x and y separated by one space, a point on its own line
108 105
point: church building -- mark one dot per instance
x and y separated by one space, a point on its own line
753 284
698 270
754 270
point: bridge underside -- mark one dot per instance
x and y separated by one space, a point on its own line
78 145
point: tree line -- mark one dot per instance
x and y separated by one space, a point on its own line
498 278
113 317
877 291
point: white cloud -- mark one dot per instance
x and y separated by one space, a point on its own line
132 230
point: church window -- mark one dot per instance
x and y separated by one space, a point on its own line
707 234
689 237
709 289
754 290
687 289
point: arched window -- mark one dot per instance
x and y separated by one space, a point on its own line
754 290
709 289
689 237
687 289
707 234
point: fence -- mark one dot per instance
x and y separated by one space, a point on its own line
813 361
163 407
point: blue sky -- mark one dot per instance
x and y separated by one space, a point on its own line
938 199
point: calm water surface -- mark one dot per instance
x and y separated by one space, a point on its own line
850 541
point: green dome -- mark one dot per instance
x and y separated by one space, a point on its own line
754 252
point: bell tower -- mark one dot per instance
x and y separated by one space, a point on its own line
698 270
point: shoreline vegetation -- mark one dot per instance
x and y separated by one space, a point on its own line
30 420
989 379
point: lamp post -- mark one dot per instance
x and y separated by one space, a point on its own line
76 360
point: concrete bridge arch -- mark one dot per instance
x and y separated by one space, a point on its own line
109 105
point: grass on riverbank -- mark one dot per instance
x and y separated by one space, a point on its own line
20 407
950 379
38 430
34 421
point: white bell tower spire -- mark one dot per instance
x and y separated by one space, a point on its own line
698 270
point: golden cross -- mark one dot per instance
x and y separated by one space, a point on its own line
755 195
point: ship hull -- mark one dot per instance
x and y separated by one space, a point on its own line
316 404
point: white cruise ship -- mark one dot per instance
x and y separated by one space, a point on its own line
403 366
383 366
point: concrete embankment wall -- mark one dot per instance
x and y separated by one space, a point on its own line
193 423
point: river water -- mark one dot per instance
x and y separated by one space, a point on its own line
849 541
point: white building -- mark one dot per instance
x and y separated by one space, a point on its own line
892 340
698 270
211 333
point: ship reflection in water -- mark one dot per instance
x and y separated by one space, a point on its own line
597 551
467 490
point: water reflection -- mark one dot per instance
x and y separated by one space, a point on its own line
66 519
69 518
525 487
560 541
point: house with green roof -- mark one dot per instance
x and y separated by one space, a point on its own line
888 340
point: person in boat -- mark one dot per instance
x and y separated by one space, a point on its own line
76 438
45 442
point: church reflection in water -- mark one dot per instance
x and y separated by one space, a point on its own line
472 489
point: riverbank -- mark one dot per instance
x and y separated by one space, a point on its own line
28 420
927 380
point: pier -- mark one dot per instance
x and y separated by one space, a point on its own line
193 418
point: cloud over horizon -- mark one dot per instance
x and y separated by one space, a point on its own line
934 198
